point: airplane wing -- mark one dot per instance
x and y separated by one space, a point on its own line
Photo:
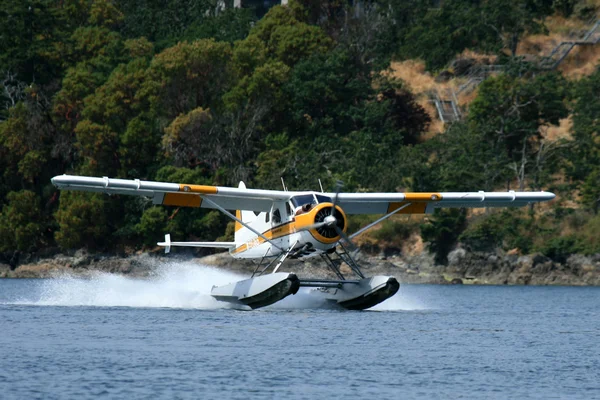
189 195
176 194
426 203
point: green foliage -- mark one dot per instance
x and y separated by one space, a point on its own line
140 89
196 176
586 128
590 191
152 225
395 230
561 247
82 219
187 76
26 136
442 231
29 31
229 25
484 233
165 22
188 134
21 222
509 111
556 235
287 38
436 35
501 229
588 236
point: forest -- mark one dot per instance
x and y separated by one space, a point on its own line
188 91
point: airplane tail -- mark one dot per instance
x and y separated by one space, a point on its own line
241 232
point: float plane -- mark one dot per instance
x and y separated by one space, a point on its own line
272 226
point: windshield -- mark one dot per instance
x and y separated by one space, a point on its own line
323 199
303 199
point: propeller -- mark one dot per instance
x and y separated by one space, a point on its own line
339 231
328 221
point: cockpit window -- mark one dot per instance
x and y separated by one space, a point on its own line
323 199
276 216
303 199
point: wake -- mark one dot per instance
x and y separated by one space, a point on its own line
173 285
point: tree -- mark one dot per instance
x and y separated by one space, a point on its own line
164 23
436 35
187 76
585 153
27 31
229 25
21 222
83 221
590 191
152 225
27 135
287 38
510 20
442 231
510 111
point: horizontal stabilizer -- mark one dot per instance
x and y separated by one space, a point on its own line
217 245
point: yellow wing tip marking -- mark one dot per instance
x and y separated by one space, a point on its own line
202 189
422 197
417 203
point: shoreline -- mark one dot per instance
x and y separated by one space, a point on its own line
463 267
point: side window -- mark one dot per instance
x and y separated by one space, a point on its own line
266 217
288 209
276 216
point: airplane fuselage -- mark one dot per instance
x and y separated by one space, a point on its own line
289 225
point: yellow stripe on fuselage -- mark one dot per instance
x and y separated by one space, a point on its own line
300 222
274 233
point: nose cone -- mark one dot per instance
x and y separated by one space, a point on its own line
330 220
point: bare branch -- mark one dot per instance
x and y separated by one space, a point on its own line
12 89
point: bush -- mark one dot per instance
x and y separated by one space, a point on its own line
21 225
442 232
82 221
484 233
152 225
589 236
561 247
393 230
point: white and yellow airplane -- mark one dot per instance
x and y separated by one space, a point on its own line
272 226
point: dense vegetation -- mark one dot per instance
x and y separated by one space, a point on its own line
187 92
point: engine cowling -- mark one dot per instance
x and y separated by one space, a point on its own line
324 229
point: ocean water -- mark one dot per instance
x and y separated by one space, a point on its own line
117 337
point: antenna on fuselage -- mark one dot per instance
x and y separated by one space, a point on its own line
321 185
283 183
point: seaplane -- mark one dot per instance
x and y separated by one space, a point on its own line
272 226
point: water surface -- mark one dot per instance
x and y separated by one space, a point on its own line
120 337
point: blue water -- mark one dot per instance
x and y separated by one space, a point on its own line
119 337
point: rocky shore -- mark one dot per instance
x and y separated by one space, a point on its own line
463 267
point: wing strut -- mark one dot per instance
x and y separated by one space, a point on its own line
386 216
233 217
